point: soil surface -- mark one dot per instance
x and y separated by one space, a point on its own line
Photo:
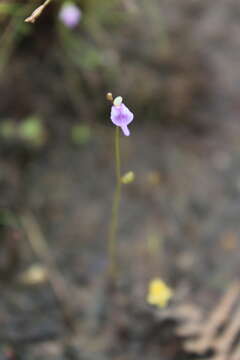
179 220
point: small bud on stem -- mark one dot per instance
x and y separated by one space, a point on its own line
117 101
128 178
109 96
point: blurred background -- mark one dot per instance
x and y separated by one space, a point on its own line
176 64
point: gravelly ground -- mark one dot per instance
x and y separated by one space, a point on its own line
184 203
179 220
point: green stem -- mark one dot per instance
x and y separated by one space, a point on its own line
115 208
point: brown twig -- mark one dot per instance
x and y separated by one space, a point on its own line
236 354
40 248
224 342
37 12
8 35
218 333
216 319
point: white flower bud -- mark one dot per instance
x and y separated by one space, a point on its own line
117 101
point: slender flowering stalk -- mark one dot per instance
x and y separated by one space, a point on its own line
121 116
115 209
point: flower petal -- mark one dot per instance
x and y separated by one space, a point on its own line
125 130
70 15
121 115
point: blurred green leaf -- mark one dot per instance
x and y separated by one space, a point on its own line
7 218
8 129
7 8
90 58
81 134
81 52
32 130
102 12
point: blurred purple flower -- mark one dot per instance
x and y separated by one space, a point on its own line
122 116
70 14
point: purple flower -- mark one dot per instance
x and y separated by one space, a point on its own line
70 15
121 115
